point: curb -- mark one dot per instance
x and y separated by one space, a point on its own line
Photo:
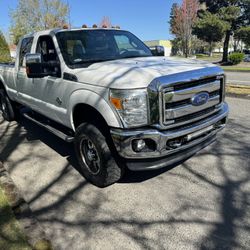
237 71
240 91
237 86
33 231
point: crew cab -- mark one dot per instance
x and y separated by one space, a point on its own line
103 90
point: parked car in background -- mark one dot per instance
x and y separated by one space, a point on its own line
247 58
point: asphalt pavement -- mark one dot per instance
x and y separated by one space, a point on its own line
238 78
203 203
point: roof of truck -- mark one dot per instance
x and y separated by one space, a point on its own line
54 31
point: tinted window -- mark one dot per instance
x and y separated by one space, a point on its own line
124 43
46 48
83 47
25 48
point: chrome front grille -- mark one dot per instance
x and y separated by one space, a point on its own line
177 101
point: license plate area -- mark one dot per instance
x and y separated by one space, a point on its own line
199 133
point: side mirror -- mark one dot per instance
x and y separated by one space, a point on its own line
157 50
34 66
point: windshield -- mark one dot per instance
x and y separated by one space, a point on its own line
82 47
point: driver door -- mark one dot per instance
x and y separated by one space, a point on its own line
49 87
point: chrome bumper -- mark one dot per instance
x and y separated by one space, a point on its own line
123 139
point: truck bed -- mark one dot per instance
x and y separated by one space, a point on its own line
12 64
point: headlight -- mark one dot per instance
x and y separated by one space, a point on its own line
131 105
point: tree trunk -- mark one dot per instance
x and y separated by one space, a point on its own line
235 45
183 47
211 49
226 46
186 48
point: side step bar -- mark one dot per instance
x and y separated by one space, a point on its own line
51 129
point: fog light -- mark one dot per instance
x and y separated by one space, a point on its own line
175 143
138 145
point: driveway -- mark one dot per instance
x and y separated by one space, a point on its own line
239 78
204 203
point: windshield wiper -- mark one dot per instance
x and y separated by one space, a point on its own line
86 61
92 61
134 56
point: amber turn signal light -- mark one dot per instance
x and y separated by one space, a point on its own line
116 102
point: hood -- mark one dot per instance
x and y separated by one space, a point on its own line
136 72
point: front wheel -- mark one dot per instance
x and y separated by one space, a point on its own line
7 107
94 156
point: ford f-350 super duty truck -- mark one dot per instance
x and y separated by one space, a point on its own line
122 107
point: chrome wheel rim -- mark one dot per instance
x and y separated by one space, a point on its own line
90 156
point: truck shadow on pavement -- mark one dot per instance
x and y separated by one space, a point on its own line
34 133
226 185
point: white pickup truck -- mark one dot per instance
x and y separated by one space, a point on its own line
122 107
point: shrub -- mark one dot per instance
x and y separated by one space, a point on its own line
236 58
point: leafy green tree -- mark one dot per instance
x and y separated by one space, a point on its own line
210 28
36 15
199 46
243 34
235 12
176 46
4 50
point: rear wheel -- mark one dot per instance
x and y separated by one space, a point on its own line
7 107
94 156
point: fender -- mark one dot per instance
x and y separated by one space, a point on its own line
10 92
96 101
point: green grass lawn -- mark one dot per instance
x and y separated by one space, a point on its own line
11 237
214 58
242 67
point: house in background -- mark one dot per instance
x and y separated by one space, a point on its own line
165 43
12 49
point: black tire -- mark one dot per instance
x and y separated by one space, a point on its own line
95 160
7 107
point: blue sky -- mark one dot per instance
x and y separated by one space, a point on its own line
146 19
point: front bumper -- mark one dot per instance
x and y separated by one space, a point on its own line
193 139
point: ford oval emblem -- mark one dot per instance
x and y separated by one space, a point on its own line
200 99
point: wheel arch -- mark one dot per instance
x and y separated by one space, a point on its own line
93 116
87 106
2 84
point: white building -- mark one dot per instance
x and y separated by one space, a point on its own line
165 43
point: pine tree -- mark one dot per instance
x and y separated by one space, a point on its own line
235 12
243 34
210 28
